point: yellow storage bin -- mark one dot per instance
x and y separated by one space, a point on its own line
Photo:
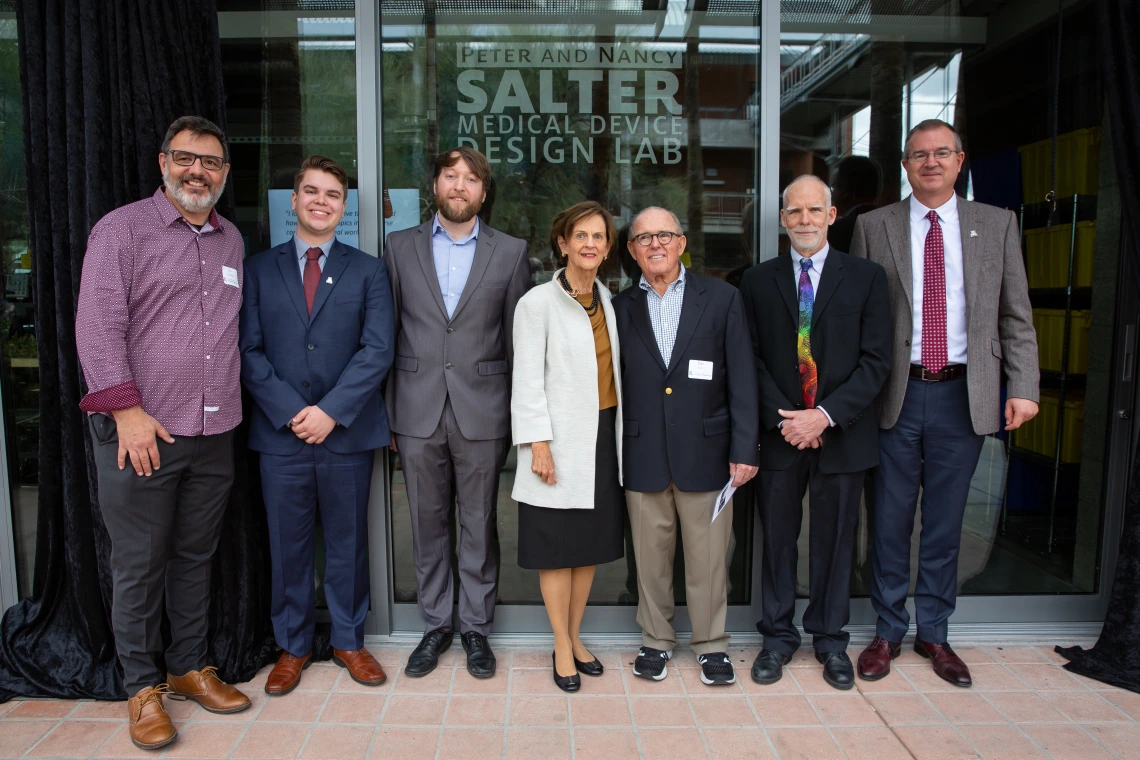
1078 165
1047 255
1040 433
1050 327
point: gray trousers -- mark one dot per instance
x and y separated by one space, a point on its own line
164 529
435 468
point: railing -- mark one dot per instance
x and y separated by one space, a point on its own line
725 208
827 54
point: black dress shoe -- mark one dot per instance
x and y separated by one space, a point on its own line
425 656
566 683
837 669
591 668
768 667
480 658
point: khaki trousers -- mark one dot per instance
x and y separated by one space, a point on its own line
654 518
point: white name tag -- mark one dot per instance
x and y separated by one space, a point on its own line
229 276
699 370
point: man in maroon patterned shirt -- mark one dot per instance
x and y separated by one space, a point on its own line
157 335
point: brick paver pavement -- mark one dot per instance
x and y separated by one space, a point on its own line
1023 705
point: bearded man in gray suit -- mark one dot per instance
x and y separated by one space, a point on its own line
455 285
960 314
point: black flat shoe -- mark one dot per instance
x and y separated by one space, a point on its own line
425 656
591 668
566 683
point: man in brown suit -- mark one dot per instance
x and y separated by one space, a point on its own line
960 312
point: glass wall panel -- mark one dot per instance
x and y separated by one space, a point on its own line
290 82
848 96
626 102
19 363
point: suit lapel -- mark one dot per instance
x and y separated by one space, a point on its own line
971 251
427 262
483 250
641 323
829 280
786 285
692 307
287 262
334 267
897 226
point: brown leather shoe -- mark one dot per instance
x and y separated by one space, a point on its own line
361 665
286 674
204 687
150 725
947 665
875 660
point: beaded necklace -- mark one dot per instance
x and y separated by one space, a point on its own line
595 303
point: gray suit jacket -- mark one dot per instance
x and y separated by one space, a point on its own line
467 357
999 319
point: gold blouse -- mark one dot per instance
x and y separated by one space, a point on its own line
607 391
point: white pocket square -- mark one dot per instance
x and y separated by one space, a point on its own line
973 233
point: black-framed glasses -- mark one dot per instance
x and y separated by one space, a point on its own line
920 156
186 158
664 237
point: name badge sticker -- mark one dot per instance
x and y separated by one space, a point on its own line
229 276
699 370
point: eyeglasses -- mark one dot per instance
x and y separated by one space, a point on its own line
645 239
920 156
186 158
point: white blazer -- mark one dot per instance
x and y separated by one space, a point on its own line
554 394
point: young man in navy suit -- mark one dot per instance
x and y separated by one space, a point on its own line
316 343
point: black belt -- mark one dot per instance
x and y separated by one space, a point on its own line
949 372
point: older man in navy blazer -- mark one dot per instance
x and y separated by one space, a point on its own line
691 423
316 343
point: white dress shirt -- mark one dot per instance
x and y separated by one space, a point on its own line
955 280
817 260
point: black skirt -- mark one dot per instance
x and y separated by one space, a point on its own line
551 539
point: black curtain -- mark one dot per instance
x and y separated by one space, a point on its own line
102 80
1115 659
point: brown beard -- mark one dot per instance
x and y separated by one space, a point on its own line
464 216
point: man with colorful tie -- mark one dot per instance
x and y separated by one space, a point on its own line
961 315
316 342
821 333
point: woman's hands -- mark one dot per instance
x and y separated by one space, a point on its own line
542 462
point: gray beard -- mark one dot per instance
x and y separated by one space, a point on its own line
193 203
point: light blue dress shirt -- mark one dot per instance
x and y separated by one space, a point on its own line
453 260
665 312
303 250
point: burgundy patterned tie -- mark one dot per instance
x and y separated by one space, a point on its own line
312 276
934 298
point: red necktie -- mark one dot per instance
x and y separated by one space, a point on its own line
934 354
312 275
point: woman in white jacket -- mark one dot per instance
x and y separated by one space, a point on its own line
566 422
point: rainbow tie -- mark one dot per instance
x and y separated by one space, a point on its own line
809 375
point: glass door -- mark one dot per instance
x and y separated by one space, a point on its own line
630 103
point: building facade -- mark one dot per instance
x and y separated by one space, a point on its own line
708 108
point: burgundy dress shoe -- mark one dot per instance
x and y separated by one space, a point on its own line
947 665
286 674
361 666
875 660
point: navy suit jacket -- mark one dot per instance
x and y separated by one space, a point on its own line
336 359
675 427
